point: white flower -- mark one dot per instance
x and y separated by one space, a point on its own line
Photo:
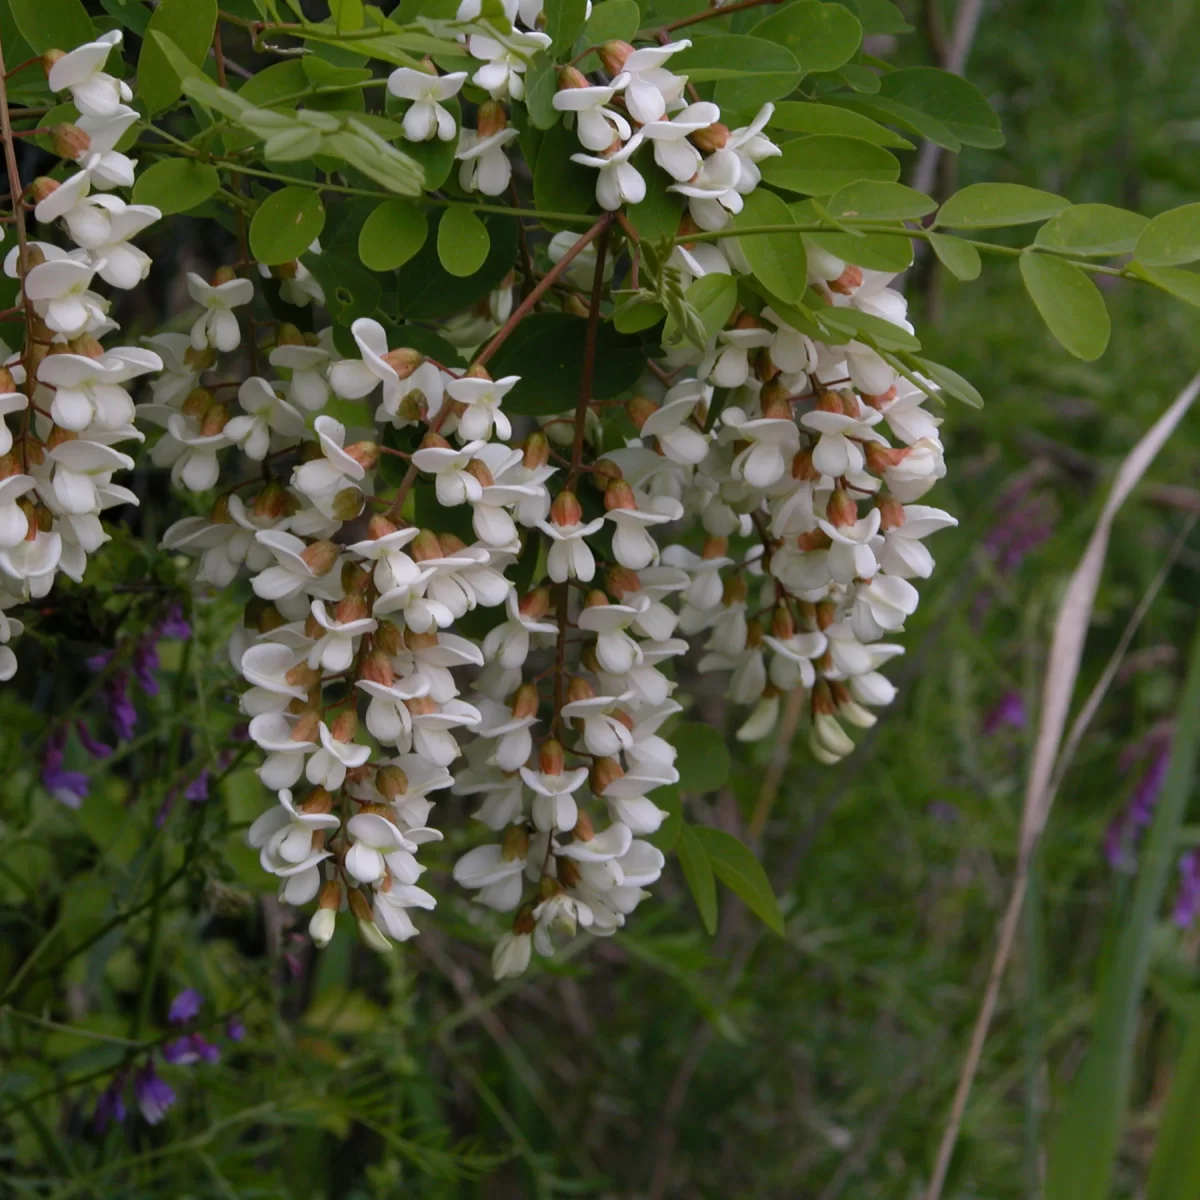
81 467
603 733
649 87
14 525
482 398
901 552
712 192
388 718
217 326
265 413
850 557
633 546
837 451
570 557
88 390
619 181
751 148
59 291
494 871
335 469
291 573
334 651
308 386
426 117
511 955
104 165
596 126
672 149
559 913
81 72
327 768
502 74
284 837
485 165
774 442
284 763
881 606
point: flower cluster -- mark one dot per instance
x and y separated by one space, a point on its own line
67 389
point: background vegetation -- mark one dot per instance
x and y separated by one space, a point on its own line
666 1063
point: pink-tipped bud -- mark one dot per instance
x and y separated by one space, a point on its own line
848 282
566 510
621 582
595 599
619 495
403 360
479 470
614 55
366 454
536 451
272 502
572 77
584 830
70 141
425 546
307 728
345 727
43 188
604 771
492 119
579 689
782 624
715 547
525 702
535 604
551 760
215 420
379 527
891 513
320 557
841 510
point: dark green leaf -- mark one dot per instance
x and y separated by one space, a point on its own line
1093 230
693 858
176 184
427 292
541 82
736 867
821 36
51 25
802 116
564 23
879 16
703 761
391 235
960 258
1171 238
777 260
950 98
872 329
189 24
748 71
560 185
1069 302
1175 1168
286 224
351 291
669 800
913 120
659 214
820 165
995 205
462 241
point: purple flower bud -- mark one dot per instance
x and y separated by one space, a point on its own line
145 663
185 1007
153 1096
180 1052
110 1107
175 624
235 1029
943 813
197 790
98 662
205 1049
1187 902
121 711
88 740
1009 712
67 787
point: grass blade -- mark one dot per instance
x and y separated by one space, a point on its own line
1175 1168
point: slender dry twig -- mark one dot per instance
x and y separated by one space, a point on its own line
1062 670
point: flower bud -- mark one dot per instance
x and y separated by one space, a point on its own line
199 360
524 922
782 625
613 55
588 660
417 642
579 689
815 539
574 305
348 504
566 511
734 591
830 402
319 800
85 346
308 728
403 360
619 495
535 604
621 582
640 409
50 58
366 454
826 614
321 557
351 608
569 874
891 513
265 617
715 547
391 782
70 141
379 527
525 702
323 922
389 638
223 275
604 771
584 830
595 599
271 503
754 634
10 464
515 845
572 77
536 451
451 544
714 137
199 401
884 458
8 385
479 469
345 727
491 119
58 435
214 420
288 334
551 760
476 371
840 509
880 401
774 402
425 546
421 706
848 282
802 467
43 188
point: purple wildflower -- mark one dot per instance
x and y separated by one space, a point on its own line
185 1007
89 741
121 710
145 663
67 787
235 1029
197 790
175 624
1187 902
98 662
153 1096
110 1107
194 1048
1009 712
1125 832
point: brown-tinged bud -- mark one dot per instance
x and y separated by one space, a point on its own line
880 401
492 119
595 599
345 727
579 689
754 634
808 614
715 547
8 384
199 360
330 895
307 729
404 360
640 409
416 642
58 435
425 546
747 320
355 578
802 466
822 699
830 402
313 628
214 421
566 510
782 624
361 908
69 141
884 458
435 441
479 469
271 503
619 495
622 718
572 77
774 401
199 401
269 619
43 188
605 472
613 55
840 509
319 800
584 830
288 335
536 451
588 660
223 275
476 371
321 557
826 614
891 513
10 464
421 706
604 771
569 874
734 591
389 638
535 604
366 454
379 527
50 58
848 282
515 845
815 539
85 346
391 782
351 608
525 702
714 137
451 544
551 760
524 923
621 581
35 455
348 504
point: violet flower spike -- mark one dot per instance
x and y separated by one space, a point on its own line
185 1007
152 1095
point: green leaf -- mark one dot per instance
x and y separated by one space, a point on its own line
1171 238
564 23
189 24
347 15
960 258
613 21
703 760
913 120
426 291
949 381
875 201
462 241
748 71
949 98
286 224
546 350
175 185
1084 1147
1175 1167
668 799
693 858
1070 303
821 36
819 165
996 205
351 291
879 16
391 235
872 329
714 297
1185 285
875 251
541 82
52 24
636 314
560 185
1093 230
802 116
659 214
777 260
736 867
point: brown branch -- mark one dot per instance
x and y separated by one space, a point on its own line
709 14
